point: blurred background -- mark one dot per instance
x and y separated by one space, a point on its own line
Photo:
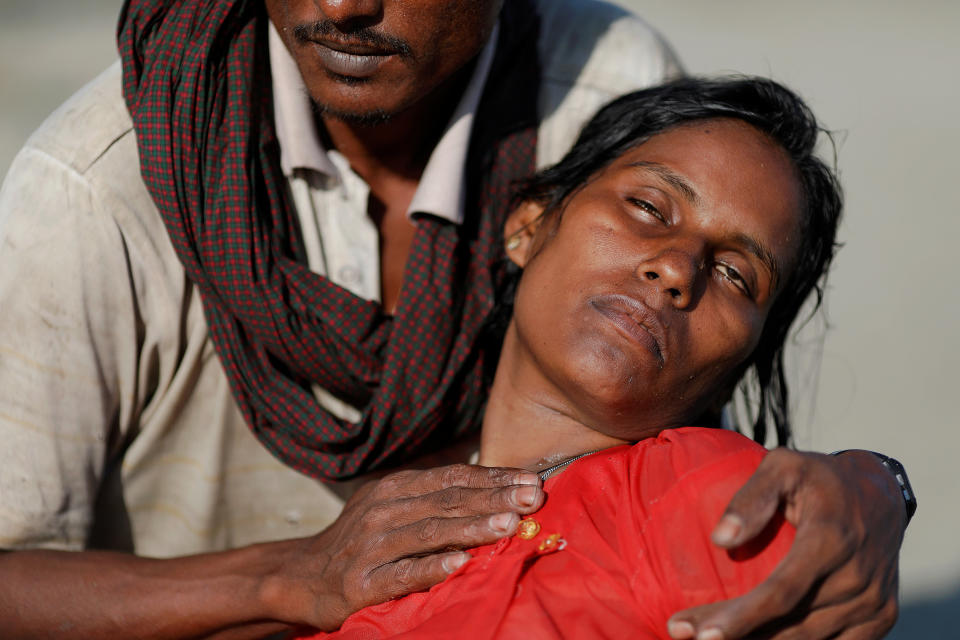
880 369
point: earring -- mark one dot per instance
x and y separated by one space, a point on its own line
513 242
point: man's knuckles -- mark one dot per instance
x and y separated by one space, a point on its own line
772 599
799 470
373 521
786 464
392 486
452 500
463 475
888 614
406 575
433 534
427 532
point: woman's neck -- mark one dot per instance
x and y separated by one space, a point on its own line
529 423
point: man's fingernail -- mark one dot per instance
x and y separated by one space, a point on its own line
713 633
680 630
726 532
528 478
453 562
504 522
525 496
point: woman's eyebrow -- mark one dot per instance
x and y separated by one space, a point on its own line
672 178
764 254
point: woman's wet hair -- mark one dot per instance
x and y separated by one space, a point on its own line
773 109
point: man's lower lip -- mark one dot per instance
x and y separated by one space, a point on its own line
349 64
634 331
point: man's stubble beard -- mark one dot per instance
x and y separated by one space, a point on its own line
369 118
366 119
306 32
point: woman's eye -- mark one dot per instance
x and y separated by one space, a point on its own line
647 207
731 274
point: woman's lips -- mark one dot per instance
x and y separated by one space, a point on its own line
352 62
634 319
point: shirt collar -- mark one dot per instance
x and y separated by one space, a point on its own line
442 188
300 145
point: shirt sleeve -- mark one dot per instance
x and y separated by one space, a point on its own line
67 326
683 483
590 53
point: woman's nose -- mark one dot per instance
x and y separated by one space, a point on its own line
674 273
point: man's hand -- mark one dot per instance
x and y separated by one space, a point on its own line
398 535
394 536
839 579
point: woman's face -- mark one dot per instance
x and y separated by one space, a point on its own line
642 298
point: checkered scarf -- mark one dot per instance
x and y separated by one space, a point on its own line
196 81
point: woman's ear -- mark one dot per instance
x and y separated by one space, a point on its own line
519 229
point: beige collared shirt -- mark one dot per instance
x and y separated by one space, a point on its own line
341 241
116 418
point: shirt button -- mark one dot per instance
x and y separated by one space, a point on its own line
528 529
349 275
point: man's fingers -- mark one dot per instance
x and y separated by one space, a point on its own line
839 578
459 502
778 595
430 535
412 483
398 534
685 624
408 575
870 614
853 620
871 629
857 621
753 506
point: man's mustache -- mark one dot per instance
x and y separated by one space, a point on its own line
362 36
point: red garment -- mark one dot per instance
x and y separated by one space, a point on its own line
634 525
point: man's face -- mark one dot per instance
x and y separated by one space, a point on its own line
365 60
643 299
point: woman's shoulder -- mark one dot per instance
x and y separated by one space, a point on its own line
680 484
689 473
691 468
684 455
653 506
701 442
691 457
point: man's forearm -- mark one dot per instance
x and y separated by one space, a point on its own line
95 594
393 537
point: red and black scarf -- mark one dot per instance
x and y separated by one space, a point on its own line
196 81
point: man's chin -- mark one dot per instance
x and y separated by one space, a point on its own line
369 118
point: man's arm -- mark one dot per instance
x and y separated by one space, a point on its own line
839 579
395 536
70 331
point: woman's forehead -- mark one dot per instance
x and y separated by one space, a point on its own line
734 176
